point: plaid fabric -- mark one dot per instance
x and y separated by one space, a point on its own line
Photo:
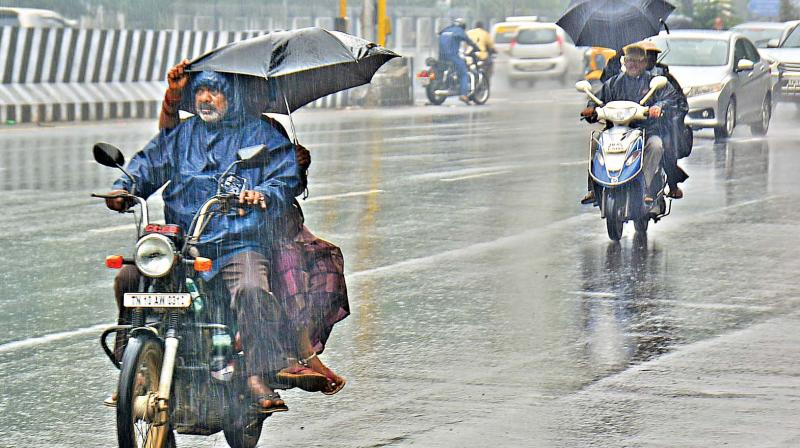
309 280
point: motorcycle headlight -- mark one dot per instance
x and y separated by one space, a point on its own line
707 88
155 255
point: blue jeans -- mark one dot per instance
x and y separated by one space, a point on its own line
463 74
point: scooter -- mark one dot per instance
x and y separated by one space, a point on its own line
615 167
440 80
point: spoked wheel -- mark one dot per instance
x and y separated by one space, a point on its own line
430 92
138 424
640 224
481 93
614 220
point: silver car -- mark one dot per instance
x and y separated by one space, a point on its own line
723 77
786 66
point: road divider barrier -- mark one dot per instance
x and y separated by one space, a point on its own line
69 74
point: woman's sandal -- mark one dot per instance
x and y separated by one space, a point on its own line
334 386
304 378
273 398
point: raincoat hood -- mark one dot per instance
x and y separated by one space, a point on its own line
231 86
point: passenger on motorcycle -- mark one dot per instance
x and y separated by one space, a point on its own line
485 44
188 161
307 269
450 39
632 85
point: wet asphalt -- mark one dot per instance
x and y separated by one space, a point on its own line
489 308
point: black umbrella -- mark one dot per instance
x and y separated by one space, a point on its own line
613 23
284 70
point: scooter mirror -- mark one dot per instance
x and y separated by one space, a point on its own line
658 82
583 86
108 155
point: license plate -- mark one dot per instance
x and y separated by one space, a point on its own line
157 300
793 83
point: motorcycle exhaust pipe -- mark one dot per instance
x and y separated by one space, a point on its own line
443 92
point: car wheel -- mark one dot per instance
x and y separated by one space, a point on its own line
726 130
762 126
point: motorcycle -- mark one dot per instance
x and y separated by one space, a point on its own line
180 370
441 81
616 164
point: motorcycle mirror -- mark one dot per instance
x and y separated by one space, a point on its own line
658 82
108 155
583 86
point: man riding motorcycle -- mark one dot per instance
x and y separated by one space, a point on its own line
632 85
450 39
188 159
308 270
485 44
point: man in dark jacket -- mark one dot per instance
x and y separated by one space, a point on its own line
450 40
632 85
188 160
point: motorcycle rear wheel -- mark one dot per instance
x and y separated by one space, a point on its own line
139 378
430 92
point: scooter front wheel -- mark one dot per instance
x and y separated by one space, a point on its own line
137 418
614 222
641 224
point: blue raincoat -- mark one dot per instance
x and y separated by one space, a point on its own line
450 40
190 158
623 87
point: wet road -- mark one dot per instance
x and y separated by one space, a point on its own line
489 308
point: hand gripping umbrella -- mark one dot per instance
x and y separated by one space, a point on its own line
284 70
613 23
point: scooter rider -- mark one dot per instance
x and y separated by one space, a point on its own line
450 39
632 85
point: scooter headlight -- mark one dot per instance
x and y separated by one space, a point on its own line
621 115
155 255
633 157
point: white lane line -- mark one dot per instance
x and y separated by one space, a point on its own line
114 228
494 173
343 195
32 342
575 163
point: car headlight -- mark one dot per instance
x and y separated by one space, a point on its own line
707 88
155 255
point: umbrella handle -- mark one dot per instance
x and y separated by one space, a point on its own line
664 24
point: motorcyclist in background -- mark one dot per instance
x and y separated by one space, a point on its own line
632 85
485 44
450 39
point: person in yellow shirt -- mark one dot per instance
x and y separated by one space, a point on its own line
483 39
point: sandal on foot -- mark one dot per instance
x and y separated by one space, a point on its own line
304 378
334 386
111 400
273 399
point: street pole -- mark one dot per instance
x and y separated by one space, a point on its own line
340 23
383 23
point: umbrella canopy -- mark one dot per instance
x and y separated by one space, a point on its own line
293 68
613 23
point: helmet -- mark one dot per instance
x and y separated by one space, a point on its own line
460 22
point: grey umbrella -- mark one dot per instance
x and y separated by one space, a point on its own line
613 23
285 70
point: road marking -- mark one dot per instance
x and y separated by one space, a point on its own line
575 163
343 195
32 342
494 173
114 228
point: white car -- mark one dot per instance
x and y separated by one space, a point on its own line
543 51
786 67
503 32
33 18
765 34
724 78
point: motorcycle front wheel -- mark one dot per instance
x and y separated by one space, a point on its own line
481 93
138 385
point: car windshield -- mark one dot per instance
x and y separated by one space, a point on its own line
504 34
793 41
760 36
693 52
533 37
